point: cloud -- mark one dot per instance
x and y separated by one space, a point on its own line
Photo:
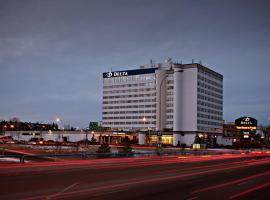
82 95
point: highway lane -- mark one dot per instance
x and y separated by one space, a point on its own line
168 177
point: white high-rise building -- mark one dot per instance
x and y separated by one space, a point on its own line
185 99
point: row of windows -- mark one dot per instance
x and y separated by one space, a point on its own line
209 117
210 105
202 128
209 99
135 78
130 117
209 123
217 84
169 116
133 106
129 96
169 110
122 123
130 90
129 85
212 75
170 82
129 112
209 87
129 101
203 91
209 111
169 105
170 99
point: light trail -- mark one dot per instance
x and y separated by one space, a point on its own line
119 163
253 189
230 182
212 166
110 160
133 182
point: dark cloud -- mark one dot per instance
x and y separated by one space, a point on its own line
52 53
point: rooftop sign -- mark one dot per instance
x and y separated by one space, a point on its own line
129 72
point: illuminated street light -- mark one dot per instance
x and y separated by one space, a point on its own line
144 120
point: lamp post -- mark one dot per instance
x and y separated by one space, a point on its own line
148 138
144 120
58 121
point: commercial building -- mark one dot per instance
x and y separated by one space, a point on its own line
69 136
181 99
241 133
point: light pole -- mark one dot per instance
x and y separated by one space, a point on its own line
58 121
148 137
144 120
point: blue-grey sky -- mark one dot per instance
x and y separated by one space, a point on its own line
53 53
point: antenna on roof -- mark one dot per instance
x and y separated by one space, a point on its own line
200 61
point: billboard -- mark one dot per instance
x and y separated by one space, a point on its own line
247 126
246 123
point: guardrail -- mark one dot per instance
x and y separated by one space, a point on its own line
85 155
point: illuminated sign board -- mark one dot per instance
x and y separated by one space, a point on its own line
247 127
246 123
115 74
129 72
246 134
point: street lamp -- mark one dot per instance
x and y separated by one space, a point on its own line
144 120
58 121
147 133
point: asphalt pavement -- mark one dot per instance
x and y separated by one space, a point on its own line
244 176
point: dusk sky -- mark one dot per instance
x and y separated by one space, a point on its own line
53 53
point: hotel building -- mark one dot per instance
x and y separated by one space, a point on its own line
183 99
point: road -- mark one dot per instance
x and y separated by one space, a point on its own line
243 176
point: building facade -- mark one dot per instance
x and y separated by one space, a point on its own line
182 98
